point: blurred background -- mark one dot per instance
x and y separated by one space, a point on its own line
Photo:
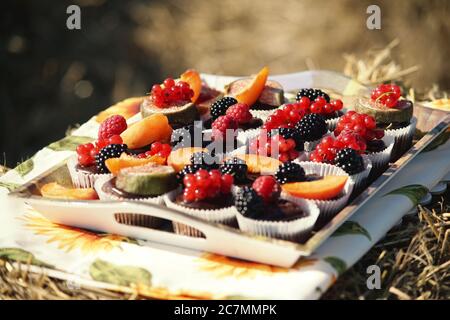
52 78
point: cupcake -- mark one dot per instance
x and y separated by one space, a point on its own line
205 195
393 114
328 186
263 211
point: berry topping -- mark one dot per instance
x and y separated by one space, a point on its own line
286 116
274 146
326 150
349 160
114 125
171 93
86 154
235 167
361 124
240 112
110 151
386 94
267 188
290 133
311 127
220 107
205 160
221 125
157 149
290 172
205 184
191 168
249 203
312 94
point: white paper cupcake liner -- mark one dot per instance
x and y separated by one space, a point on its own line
381 159
360 179
403 138
129 218
226 216
81 179
245 136
262 114
295 230
328 208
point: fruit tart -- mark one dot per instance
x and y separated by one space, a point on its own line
205 194
264 211
392 113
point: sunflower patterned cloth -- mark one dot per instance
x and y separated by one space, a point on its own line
155 270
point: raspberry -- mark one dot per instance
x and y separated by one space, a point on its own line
240 112
114 125
221 125
267 188
387 94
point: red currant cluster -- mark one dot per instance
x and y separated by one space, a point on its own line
160 149
171 93
326 150
267 146
286 116
387 94
267 188
87 152
321 106
361 124
206 184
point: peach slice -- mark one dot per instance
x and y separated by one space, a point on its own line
251 93
260 164
192 77
324 189
114 165
150 129
182 157
56 191
126 108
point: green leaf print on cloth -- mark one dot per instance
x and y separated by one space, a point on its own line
69 143
338 264
414 192
9 185
25 167
351 227
104 271
21 255
438 141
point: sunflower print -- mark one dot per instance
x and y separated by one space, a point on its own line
70 238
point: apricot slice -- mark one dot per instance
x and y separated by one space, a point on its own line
192 77
126 108
150 129
56 191
253 90
182 157
114 165
260 164
324 189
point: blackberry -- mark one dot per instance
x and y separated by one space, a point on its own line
312 94
349 160
110 151
191 168
311 127
249 203
205 160
236 167
290 133
219 107
290 172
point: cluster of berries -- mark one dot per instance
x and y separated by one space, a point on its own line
171 93
267 188
157 148
235 115
286 117
361 124
387 94
205 184
328 147
108 134
275 146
